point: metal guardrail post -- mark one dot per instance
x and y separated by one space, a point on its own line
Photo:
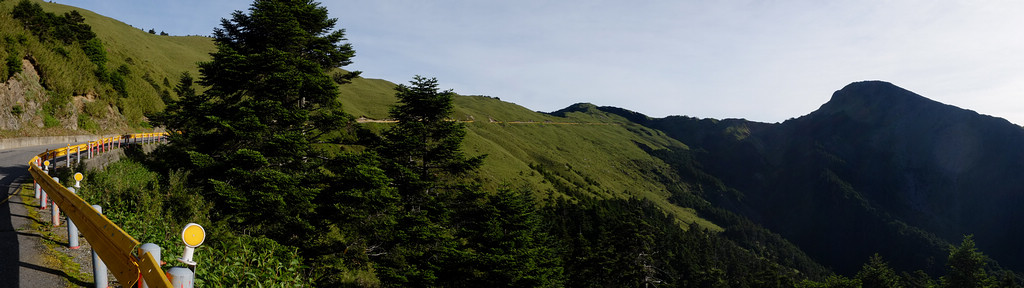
43 200
181 277
99 269
54 210
72 229
154 250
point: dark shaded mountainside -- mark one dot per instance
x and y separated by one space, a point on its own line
877 169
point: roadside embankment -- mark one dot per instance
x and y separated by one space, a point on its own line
12 143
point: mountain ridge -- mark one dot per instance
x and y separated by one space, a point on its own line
923 172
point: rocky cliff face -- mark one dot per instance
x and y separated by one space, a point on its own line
20 99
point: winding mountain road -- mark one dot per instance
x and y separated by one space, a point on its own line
22 254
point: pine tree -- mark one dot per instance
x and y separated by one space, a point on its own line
425 143
252 135
509 244
965 266
877 274
426 163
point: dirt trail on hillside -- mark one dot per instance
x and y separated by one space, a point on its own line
368 120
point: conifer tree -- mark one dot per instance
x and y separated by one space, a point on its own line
877 274
965 266
250 135
425 161
425 143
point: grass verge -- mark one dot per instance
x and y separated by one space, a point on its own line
54 258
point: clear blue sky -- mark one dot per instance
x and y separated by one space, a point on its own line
760 60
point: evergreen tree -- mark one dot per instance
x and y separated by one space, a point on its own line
510 246
877 274
919 279
965 266
251 134
425 143
425 161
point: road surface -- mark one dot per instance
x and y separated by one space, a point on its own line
22 260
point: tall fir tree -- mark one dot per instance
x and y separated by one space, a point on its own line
427 166
877 274
425 143
965 266
251 135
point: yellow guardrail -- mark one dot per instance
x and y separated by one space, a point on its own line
114 246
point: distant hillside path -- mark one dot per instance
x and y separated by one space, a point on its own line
22 255
368 120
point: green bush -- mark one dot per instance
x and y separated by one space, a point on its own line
117 81
247 261
56 104
13 64
96 108
62 52
49 121
94 50
86 123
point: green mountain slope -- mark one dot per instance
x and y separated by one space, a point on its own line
589 151
877 169
611 165
71 89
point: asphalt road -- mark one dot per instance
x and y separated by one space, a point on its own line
21 260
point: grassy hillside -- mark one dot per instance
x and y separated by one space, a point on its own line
618 175
587 152
590 152
74 95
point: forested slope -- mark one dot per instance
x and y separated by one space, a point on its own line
877 169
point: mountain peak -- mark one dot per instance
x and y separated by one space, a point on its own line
578 107
875 101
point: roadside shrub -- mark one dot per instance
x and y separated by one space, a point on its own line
86 123
13 64
96 108
247 261
49 121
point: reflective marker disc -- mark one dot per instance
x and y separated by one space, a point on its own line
193 235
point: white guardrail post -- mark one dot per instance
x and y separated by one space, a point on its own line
99 269
72 229
154 250
54 210
42 200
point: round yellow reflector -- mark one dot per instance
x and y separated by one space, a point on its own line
193 235
78 176
46 163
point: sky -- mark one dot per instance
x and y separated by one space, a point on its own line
762 60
